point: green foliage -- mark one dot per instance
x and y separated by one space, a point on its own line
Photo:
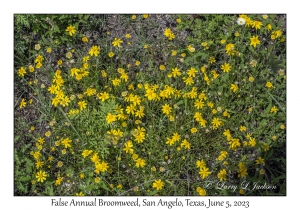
227 104
23 20
92 123
23 168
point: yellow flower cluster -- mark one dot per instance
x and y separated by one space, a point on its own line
38 61
90 91
114 135
169 34
71 30
150 92
158 184
175 138
222 156
139 134
128 147
198 117
203 170
230 49
79 73
110 118
22 71
234 143
242 170
276 34
100 166
56 89
222 175
66 142
201 191
94 51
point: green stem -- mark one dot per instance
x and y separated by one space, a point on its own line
64 114
282 109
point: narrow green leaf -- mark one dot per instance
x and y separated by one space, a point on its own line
90 187
25 178
103 185
152 192
86 17
187 60
62 17
179 102
44 39
76 25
